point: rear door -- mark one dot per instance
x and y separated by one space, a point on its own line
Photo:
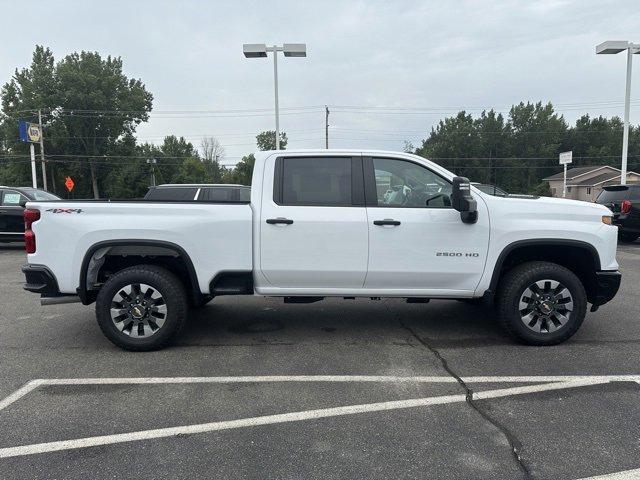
417 241
11 208
313 223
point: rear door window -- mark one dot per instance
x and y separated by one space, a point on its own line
171 193
323 181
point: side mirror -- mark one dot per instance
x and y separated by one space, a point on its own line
462 200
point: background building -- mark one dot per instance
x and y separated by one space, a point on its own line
585 183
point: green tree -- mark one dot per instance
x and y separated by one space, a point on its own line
88 105
494 143
267 140
452 142
98 104
127 175
28 90
192 170
242 172
537 134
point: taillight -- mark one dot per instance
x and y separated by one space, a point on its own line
30 216
625 207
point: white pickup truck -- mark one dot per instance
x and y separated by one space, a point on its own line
326 223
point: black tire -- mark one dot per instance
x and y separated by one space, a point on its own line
628 237
173 296
514 285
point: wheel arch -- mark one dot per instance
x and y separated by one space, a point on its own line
153 248
578 256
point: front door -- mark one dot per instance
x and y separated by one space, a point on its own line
313 223
417 241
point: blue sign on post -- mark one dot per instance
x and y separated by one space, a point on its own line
29 132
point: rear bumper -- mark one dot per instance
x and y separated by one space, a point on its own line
39 279
607 285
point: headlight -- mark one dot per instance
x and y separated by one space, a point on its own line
607 219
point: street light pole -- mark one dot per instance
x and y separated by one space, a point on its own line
627 107
613 47
275 85
259 50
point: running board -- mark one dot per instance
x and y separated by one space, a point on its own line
59 300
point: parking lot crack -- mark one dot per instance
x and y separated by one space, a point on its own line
514 444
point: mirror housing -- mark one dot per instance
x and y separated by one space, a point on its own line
462 200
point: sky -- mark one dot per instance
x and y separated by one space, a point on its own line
388 70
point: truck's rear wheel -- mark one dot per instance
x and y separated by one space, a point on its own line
541 303
142 308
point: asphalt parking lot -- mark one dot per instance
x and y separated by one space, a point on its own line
338 389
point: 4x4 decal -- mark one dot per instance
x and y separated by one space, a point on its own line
64 210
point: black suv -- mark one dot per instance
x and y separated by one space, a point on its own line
12 201
624 202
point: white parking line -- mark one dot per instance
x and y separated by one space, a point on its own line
33 384
338 378
18 394
282 418
626 475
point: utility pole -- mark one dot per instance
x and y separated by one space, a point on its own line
44 168
34 175
326 127
152 162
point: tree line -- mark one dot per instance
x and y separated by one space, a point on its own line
518 151
91 110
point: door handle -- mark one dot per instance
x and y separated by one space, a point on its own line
279 221
386 221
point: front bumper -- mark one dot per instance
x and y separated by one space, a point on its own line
39 279
607 285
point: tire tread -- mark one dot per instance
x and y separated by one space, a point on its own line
511 286
172 289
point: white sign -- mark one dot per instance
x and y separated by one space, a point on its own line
566 157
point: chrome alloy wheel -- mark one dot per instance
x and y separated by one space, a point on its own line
545 306
138 310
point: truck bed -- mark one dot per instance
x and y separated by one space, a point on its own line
218 235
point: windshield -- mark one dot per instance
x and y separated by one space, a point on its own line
618 194
40 195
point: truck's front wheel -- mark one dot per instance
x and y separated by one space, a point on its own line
541 303
142 308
